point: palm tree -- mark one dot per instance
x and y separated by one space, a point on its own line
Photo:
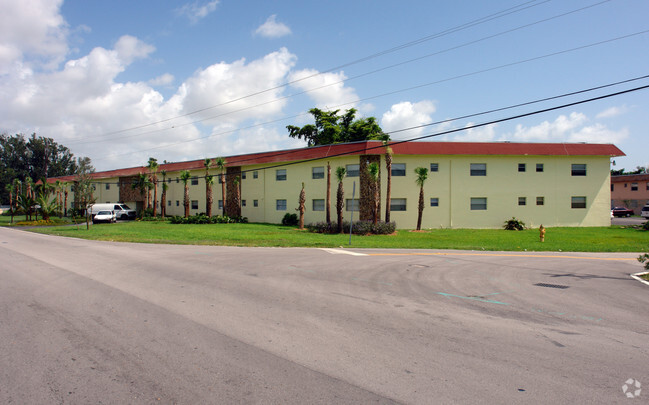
141 183
209 182
48 207
163 197
11 189
220 163
153 169
302 201
328 201
340 197
65 202
58 186
237 195
388 167
184 176
373 171
422 175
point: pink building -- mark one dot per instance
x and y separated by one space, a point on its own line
631 191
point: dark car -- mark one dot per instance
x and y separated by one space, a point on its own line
621 212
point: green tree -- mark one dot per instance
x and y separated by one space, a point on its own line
153 170
48 206
209 182
340 196
373 172
220 164
163 197
184 176
422 175
142 184
330 128
11 189
84 189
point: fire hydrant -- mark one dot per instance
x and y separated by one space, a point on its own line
542 233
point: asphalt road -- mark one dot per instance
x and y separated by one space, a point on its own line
109 323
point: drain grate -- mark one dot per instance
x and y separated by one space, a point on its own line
562 287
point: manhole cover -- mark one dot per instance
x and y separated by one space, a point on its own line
563 287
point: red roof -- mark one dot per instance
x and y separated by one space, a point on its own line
629 177
376 148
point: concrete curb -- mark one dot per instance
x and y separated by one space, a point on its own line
636 276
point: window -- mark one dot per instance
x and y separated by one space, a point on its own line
220 204
634 186
243 203
434 202
352 170
578 202
613 186
169 203
255 174
255 203
177 180
318 205
107 186
280 205
280 175
540 200
478 169
177 203
478 203
220 177
398 169
434 167
539 167
522 201
522 167
398 204
351 205
194 204
317 173
243 175
194 181
578 169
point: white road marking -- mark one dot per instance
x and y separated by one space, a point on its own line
343 252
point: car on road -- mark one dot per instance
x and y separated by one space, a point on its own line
621 212
104 216
645 211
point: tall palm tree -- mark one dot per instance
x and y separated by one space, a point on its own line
209 182
163 197
328 200
340 197
388 167
302 202
422 175
220 163
153 169
65 202
184 176
11 189
58 186
237 195
373 172
141 183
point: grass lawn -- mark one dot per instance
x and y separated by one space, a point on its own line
599 239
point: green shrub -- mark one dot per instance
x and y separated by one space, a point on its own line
204 219
360 227
514 225
290 219
645 226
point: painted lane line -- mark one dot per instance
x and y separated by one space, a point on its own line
501 255
472 298
343 252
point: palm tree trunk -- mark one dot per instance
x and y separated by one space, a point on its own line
208 198
155 195
340 203
388 191
163 200
186 201
421 207
223 192
328 200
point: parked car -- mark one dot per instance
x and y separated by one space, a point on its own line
104 216
621 212
122 211
645 211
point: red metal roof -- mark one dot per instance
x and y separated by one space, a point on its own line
376 148
629 177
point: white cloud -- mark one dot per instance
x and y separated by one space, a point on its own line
198 10
598 133
486 133
612 112
327 90
558 130
406 115
129 48
33 29
273 29
162 80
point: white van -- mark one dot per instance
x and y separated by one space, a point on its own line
122 211
645 211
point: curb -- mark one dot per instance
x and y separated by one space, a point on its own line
636 276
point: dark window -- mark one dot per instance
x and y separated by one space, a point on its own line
351 205
434 167
578 202
280 175
540 200
107 186
522 201
539 167
255 203
255 174
398 169
613 186
478 169
280 205
220 204
434 202
194 181
522 167
634 186
194 204
169 203
243 175
177 203
352 171
397 204
317 172
478 203
579 169
318 205
243 203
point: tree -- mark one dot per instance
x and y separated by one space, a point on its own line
373 171
209 182
340 196
332 128
153 169
83 190
220 163
184 176
301 203
328 201
422 175
48 206
388 167
237 193
141 184
163 197
11 189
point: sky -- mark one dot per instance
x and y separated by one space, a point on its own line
121 81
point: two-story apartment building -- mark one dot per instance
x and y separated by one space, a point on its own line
469 185
630 191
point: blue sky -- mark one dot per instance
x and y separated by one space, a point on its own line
122 81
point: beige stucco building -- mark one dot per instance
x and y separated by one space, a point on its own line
630 191
470 185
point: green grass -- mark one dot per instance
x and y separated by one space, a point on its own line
599 239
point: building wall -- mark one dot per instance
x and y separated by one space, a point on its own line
631 191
